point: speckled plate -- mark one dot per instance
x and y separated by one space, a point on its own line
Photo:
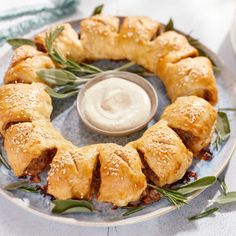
65 118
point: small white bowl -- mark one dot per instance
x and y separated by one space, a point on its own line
123 75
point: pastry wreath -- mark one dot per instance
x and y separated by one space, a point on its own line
114 173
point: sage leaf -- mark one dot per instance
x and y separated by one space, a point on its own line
3 161
223 185
54 94
199 184
16 185
132 210
203 214
69 206
226 198
17 42
98 10
30 189
195 43
169 26
222 130
227 109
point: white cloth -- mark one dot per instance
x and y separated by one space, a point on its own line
210 21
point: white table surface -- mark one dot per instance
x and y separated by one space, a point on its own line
210 21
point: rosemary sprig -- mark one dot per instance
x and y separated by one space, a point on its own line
227 109
173 196
67 64
178 196
132 210
203 214
98 10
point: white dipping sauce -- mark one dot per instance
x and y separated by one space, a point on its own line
116 104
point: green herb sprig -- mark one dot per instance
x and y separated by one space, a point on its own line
3 161
71 206
206 213
222 130
132 210
98 10
178 196
17 42
23 185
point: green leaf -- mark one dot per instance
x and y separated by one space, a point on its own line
169 26
132 210
98 10
199 184
227 109
16 185
174 197
203 214
222 129
3 161
223 185
54 94
226 198
17 42
69 206
51 36
195 43
30 189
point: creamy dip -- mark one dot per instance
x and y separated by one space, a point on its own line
116 104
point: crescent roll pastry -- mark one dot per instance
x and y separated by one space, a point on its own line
169 46
194 120
99 35
23 102
71 172
67 42
135 33
190 76
26 61
30 147
122 180
163 153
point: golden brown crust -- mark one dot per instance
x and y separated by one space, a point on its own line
67 42
194 119
71 172
135 34
25 63
25 142
98 35
23 102
190 76
169 46
122 180
164 153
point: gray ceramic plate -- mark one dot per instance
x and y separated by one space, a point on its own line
66 119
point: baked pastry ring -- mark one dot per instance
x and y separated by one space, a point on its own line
193 119
165 157
23 102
